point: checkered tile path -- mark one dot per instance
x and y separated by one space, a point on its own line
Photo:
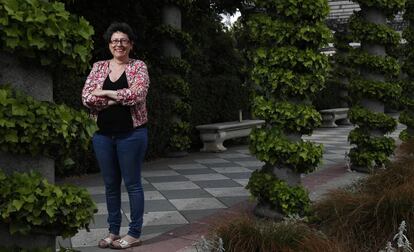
183 190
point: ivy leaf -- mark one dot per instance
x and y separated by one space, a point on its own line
17 204
19 110
11 137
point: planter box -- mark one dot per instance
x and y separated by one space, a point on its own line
30 241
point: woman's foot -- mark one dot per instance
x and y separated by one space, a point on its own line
108 240
126 242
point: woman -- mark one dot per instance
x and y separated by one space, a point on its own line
115 92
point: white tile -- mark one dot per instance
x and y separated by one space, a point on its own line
211 161
205 177
242 182
187 166
153 195
197 204
96 190
159 173
163 218
231 169
148 195
227 191
180 185
333 156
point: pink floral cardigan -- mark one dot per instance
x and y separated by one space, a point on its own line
133 96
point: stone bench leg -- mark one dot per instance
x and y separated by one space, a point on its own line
213 142
213 147
328 121
344 122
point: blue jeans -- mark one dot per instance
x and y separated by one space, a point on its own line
120 156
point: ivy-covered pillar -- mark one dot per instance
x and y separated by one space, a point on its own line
407 116
35 81
175 71
34 38
374 85
286 70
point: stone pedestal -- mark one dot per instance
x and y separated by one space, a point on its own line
264 210
37 82
29 241
10 163
32 80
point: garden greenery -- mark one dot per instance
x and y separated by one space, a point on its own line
46 31
387 6
407 99
335 93
291 200
374 82
36 127
29 204
287 71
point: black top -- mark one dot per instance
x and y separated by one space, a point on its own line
116 118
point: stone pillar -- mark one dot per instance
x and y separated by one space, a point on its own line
28 242
33 80
171 15
37 82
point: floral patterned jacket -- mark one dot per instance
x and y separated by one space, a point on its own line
133 96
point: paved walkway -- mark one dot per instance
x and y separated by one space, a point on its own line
183 196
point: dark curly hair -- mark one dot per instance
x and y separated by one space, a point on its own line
119 27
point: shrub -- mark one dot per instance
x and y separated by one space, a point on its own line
29 204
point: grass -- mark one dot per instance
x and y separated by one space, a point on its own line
245 233
365 218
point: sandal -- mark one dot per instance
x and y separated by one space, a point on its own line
107 241
123 244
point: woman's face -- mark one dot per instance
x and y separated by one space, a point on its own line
120 45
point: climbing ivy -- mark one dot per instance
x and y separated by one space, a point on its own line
287 70
175 72
407 99
373 82
290 200
46 31
36 127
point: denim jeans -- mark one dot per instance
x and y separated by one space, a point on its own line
120 156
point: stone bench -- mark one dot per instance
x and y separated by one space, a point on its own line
330 116
213 135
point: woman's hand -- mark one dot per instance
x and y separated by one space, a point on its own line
111 94
99 92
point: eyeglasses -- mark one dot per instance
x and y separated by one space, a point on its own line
121 41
